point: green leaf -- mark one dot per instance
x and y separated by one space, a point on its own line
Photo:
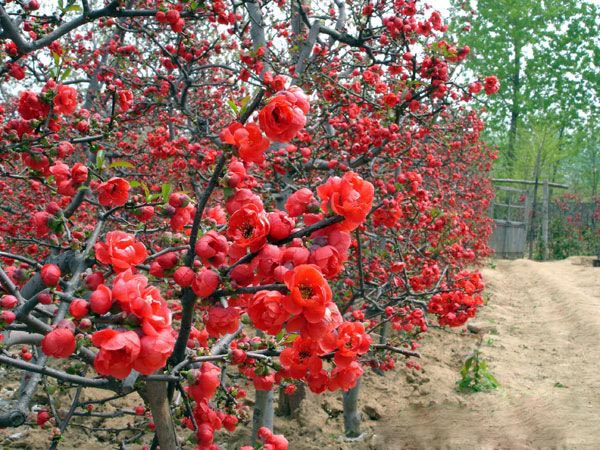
146 191
121 164
233 106
165 191
65 74
100 159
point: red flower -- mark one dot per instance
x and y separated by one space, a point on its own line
249 227
235 174
101 300
301 357
7 317
59 343
79 308
42 417
281 225
93 280
183 276
267 312
270 440
263 382
221 320
31 107
266 262
125 99
154 351
14 70
351 341
143 301
50 275
230 422
121 250
205 283
390 100
491 85
248 139
317 330
475 87
294 256
65 100
206 381
299 202
328 259
114 192
345 378
118 352
8 301
64 149
242 275
79 173
349 196
212 249
309 292
62 175
284 116
243 197
41 221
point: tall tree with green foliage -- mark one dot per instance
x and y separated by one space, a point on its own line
545 54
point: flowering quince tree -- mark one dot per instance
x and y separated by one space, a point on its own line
197 197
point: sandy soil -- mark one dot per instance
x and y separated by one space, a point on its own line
542 343
540 334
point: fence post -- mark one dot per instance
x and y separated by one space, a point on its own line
545 218
527 214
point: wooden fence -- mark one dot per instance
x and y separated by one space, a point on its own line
514 211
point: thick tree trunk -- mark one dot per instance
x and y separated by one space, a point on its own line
351 412
288 405
263 412
155 396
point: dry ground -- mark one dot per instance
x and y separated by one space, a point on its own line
541 338
542 344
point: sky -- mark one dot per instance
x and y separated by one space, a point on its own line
441 5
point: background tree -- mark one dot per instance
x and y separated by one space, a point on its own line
546 56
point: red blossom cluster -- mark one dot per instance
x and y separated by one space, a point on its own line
185 197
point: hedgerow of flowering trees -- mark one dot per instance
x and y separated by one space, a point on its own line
193 192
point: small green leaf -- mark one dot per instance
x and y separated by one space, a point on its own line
233 106
100 159
65 74
165 191
146 191
121 164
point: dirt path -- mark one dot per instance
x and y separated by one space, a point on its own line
542 344
544 349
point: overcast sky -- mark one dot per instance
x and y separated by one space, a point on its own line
440 5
